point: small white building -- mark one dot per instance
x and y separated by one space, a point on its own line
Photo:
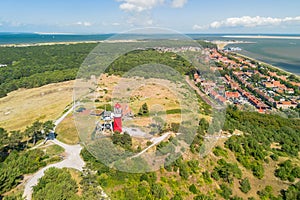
286 105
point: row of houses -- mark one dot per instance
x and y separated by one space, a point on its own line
218 97
286 104
266 89
264 96
179 49
210 88
253 100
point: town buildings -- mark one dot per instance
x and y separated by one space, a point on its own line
248 82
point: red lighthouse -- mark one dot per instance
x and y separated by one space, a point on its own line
118 118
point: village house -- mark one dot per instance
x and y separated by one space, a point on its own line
286 104
289 91
232 95
217 97
234 85
274 84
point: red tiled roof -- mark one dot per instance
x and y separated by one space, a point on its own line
232 94
285 103
222 99
214 93
227 77
295 84
234 85
276 83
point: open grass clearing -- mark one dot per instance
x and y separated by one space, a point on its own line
66 131
22 107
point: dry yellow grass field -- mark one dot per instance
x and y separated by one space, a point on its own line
160 96
67 131
22 107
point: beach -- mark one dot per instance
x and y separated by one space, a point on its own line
222 44
269 65
65 43
262 37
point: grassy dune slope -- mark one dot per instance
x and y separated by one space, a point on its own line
22 107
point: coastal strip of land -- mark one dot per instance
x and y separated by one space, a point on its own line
267 64
263 37
66 43
222 44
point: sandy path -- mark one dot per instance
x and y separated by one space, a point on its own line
71 160
155 141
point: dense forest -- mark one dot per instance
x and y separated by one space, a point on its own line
34 66
206 44
136 58
16 158
59 180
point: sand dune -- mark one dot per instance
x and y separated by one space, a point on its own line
263 37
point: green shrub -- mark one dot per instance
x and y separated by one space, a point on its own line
193 189
245 186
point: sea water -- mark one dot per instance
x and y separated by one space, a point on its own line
280 52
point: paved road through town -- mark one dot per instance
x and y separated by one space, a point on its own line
203 95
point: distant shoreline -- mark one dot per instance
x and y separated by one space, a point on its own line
46 44
65 43
220 44
262 37
223 44
269 65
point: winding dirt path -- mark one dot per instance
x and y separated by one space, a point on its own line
155 141
71 160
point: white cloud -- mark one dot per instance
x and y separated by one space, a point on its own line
140 10
139 5
142 5
247 21
83 23
199 27
139 19
149 22
178 3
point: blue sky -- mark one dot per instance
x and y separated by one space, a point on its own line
187 16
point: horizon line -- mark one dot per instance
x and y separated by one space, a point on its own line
114 33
